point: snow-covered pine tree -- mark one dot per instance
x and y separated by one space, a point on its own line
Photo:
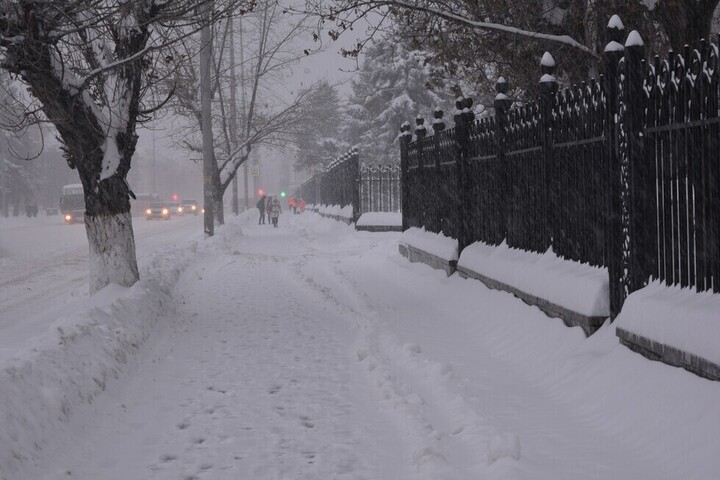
393 86
321 142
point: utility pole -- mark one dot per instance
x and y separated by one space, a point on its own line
207 136
233 112
242 81
153 186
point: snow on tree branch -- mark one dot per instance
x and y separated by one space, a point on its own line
346 12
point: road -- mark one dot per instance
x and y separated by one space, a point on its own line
44 262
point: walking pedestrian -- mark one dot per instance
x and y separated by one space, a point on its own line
274 210
261 207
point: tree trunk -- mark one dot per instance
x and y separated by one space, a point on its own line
108 224
686 21
112 250
218 195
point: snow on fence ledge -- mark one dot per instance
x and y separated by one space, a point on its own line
380 222
576 293
675 325
342 214
434 249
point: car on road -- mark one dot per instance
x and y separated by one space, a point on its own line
190 207
157 210
176 208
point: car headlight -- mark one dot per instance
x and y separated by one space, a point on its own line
180 209
68 218
148 211
194 207
164 211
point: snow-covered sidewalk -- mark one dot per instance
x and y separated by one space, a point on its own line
314 351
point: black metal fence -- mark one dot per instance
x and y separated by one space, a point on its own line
310 190
379 188
622 172
337 185
367 187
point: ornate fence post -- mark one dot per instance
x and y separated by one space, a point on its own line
502 105
463 119
438 126
405 137
641 200
613 224
548 88
422 173
355 169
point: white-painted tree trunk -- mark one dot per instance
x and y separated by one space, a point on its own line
112 250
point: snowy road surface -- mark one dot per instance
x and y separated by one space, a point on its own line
45 266
316 352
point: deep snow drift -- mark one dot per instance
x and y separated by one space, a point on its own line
313 351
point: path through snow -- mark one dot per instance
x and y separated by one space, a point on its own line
316 352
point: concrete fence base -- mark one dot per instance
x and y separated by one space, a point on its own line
571 318
338 218
670 355
416 255
379 228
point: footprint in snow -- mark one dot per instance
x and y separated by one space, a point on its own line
167 458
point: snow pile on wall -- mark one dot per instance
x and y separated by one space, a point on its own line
67 368
383 219
678 317
336 211
434 243
578 287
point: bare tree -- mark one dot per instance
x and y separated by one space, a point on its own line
90 65
272 116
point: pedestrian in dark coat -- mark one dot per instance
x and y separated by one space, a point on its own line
261 207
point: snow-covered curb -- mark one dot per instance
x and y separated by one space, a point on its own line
437 244
577 287
41 388
677 317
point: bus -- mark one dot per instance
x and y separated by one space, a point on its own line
72 203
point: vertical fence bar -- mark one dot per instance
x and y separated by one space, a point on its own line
502 105
355 183
548 88
613 223
713 167
405 137
438 127
423 176
463 117
641 208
